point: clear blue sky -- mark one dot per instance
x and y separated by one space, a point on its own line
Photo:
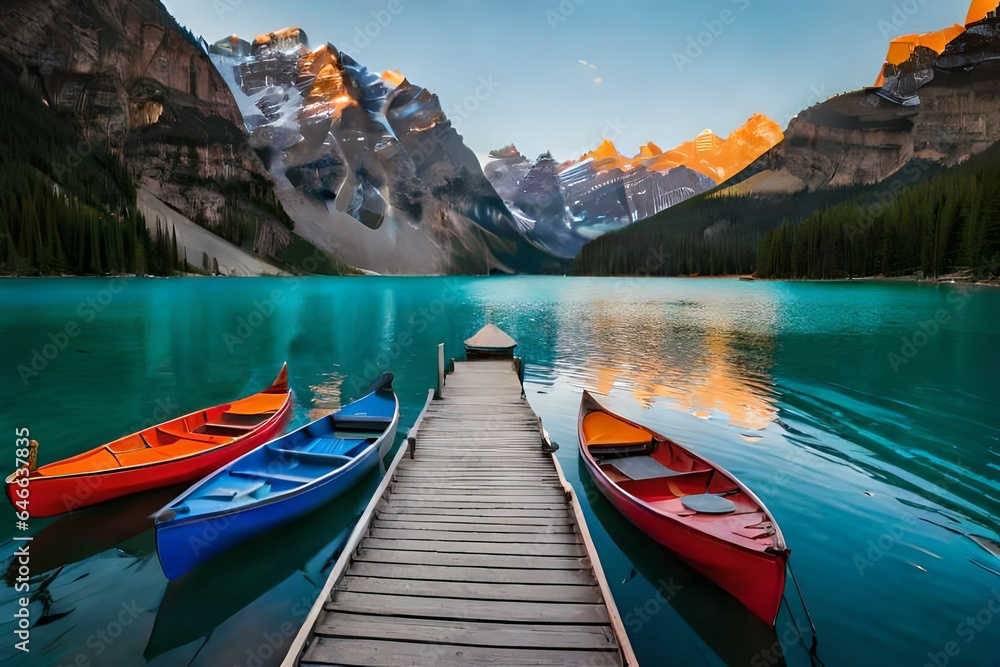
771 56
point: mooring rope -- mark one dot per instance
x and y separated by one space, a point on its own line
813 657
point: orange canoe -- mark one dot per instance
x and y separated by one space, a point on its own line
177 451
689 505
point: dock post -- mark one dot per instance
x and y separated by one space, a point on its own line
440 385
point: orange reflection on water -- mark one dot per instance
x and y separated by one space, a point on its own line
326 396
698 370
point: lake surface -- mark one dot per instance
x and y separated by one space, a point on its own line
866 415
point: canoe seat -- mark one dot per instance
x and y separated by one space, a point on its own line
315 457
601 430
138 457
184 435
225 429
239 419
182 447
707 503
258 404
224 493
362 424
619 451
129 444
339 446
642 467
271 476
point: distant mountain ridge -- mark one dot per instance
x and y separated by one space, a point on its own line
561 207
718 158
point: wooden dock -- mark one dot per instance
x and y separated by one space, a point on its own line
472 552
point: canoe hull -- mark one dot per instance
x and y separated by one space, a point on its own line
756 579
182 545
50 496
277 481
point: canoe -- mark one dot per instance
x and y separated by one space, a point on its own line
689 505
490 342
175 452
277 481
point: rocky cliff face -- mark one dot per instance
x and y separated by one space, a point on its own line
134 81
942 109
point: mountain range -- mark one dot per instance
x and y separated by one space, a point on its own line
563 206
137 147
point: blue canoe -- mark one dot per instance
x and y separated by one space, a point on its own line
277 481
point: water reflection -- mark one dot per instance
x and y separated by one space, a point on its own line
87 532
691 358
195 605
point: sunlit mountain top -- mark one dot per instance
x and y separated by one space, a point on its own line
709 154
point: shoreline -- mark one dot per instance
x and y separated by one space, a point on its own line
368 274
883 279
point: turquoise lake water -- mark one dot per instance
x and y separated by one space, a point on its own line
866 415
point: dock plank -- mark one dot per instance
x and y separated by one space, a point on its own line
522 537
498 575
446 524
365 652
471 590
461 609
468 633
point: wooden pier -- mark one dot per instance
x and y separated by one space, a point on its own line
472 552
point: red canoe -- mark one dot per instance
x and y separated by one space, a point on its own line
689 505
177 451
